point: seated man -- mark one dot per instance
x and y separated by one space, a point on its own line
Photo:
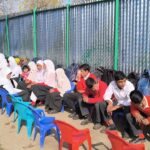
74 100
140 107
119 90
93 95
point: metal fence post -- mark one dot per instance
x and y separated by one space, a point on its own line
34 33
116 51
67 33
7 37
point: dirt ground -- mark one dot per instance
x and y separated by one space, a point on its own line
10 140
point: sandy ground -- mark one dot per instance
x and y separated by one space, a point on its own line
10 140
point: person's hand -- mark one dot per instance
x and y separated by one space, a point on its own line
139 119
85 99
145 122
109 108
29 86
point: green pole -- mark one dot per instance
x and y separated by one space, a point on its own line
7 37
67 33
34 33
116 35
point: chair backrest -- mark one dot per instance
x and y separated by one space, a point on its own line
16 98
66 130
23 111
116 141
37 116
72 87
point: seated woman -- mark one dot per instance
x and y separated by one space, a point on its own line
41 90
7 83
53 101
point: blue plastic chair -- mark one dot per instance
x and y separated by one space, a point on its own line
24 113
5 104
43 124
69 91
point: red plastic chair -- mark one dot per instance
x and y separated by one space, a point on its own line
119 143
73 136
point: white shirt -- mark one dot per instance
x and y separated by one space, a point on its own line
122 95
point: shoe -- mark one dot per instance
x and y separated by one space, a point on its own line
76 117
85 122
72 115
52 112
97 126
137 140
111 127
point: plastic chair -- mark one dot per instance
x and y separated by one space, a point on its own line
119 143
5 104
73 136
24 113
16 98
44 124
69 91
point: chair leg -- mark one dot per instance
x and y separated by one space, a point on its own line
42 138
35 133
61 145
29 128
58 134
19 125
89 143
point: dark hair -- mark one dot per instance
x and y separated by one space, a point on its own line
90 82
26 67
85 67
119 75
136 96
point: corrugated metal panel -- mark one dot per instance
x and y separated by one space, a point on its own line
92 34
134 35
21 36
2 36
51 26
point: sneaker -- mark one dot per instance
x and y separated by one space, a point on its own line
76 117
97 126
85 122
72 115
111 127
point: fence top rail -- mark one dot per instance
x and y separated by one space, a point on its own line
26 13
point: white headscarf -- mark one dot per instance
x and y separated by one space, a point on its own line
50 75
2 56
6 83
16 69
40 74
33 71
40 62
63 83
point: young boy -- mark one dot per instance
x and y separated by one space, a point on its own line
93 96
72 99
117 102
140 107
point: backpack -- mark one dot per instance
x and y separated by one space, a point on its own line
106 75
144 83
133 78
71 71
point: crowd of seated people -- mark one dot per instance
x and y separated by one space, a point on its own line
117 106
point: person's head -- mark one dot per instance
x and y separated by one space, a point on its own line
92 84
25 68
137 98
39 65
120 79
85 69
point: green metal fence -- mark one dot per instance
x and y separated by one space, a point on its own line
110 33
